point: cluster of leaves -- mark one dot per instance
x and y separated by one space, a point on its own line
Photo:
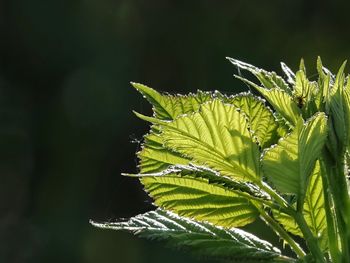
213 163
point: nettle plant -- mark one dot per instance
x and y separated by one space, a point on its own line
214 163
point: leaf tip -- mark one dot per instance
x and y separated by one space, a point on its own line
147 118
139 115
138 86
94 223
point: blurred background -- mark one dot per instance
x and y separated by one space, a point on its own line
66 125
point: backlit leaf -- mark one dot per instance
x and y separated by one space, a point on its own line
281 101
168 107
260 118
189 193
154 157
289 164
314 211
270 80
218 137
202 239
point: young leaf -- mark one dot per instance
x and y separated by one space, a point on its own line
280 100
218 137
302 66
269 80
260 118
314 211
304 93
283 103
167 107
289 164
338 109
203 239
346 94
323 84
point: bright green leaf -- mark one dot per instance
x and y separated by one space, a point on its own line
217 136
195 197
314 211
281 101
154 157
338 108
302 65
304 90
247 189
260 118
168 107
289 164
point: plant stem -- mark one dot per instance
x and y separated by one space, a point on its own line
310 239
330 217
279 199
282 233
340 198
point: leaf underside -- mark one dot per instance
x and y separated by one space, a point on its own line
204 195
203 239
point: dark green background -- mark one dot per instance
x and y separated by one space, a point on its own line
66 122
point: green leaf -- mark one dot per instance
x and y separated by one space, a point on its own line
202 239
302 65
281 101
218 137
250 190
320 69
260 118
314 211
283 127
323 86
199 193
154 157
338 108
168 107
289 164
304 92
269 80
346 97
